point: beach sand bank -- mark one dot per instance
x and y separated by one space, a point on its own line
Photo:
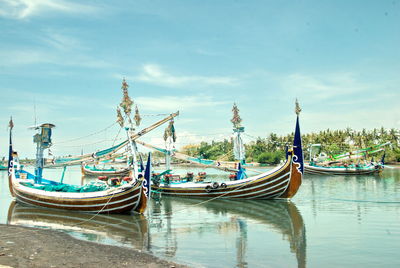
31 247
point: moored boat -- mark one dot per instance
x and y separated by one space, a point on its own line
281 182
112 171
343 169
32 189
344 164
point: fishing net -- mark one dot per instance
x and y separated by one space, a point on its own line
89 187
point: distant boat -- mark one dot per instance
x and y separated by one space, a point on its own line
337 165
281 182
343 169
111 171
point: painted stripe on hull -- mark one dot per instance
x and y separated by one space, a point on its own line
244 188
118 195
280 183
335 171
115 208
109 201
105 173
257 180
262 189
118 200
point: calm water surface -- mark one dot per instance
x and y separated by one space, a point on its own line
337 221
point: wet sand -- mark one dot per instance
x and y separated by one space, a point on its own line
31 247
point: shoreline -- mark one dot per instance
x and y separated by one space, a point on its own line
33 247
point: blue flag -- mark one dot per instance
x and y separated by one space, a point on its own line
10 151
297 148
147 177
240 174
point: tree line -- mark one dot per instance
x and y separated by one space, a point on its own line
271 150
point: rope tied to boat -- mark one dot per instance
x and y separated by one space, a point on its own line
205 201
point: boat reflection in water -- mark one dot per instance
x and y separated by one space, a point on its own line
115 229
219 233
245 223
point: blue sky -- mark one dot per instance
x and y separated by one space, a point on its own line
341 59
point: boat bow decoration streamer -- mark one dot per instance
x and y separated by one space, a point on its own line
147 177
298 157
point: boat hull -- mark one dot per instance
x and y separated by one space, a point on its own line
117 173
122 199
317 170
282 182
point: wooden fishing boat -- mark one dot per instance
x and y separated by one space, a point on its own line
32 189
343 170
344 164
125 198
121 195
281 182
94 171
123 230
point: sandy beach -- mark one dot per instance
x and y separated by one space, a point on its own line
31 247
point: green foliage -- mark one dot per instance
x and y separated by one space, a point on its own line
270 157
340 141
216 150
155 155
271 149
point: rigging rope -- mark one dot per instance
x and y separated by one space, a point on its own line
93 143
86 136
148 115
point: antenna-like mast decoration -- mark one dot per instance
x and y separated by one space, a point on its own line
238 147
126 105
297 108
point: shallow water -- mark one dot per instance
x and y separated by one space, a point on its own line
332 222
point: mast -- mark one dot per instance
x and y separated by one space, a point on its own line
238 147
169 138
126 104
43 141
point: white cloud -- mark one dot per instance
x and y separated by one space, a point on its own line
172 103
154 74
61 41
41 56
21 9
322 87
46 103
